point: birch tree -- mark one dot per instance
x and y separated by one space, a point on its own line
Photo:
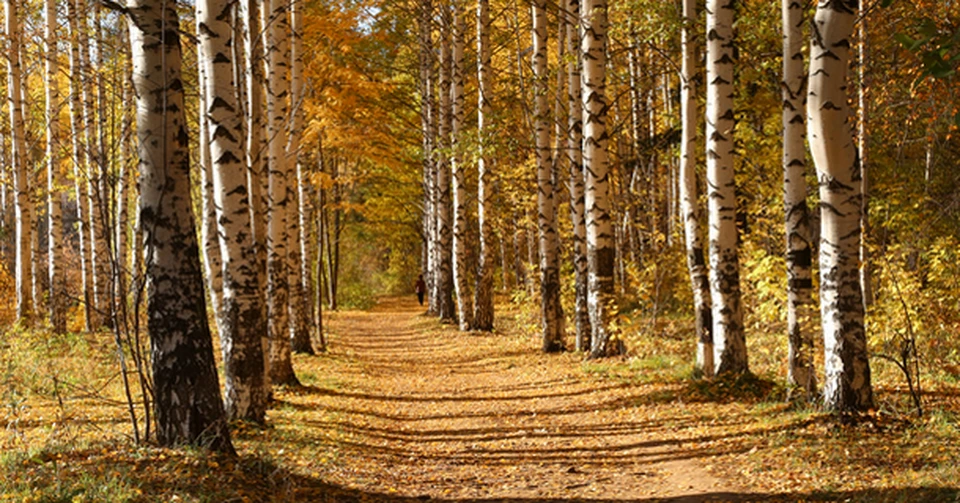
276 31
185 384
689 205
581 314
847 386
55 183
799 251
460 275
551 312
443 206
299 314
241 315
730 349
23 206
599 225
483 306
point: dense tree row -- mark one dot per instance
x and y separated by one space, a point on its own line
577 152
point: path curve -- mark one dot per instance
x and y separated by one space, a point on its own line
406 406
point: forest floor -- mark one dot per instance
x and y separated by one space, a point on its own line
404 409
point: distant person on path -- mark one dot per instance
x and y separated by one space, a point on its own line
421 289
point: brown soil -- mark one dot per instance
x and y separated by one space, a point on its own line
402 406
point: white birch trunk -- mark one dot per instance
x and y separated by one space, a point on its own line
847 369
483 307
185 384
461 275
551 312
797 214
23 206
730 349
299 316
599 224
444 203
242 316
213 265
278 238
689 204
575 158
55 183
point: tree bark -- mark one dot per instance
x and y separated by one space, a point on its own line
483 307
847 369
689 204
575 158
444 208
798 249
23 206
186 389
461 275
730 349
605 340
57 288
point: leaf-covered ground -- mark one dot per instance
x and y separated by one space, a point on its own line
404 409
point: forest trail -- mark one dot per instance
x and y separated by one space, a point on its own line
412 409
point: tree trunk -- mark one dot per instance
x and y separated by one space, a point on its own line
23 206
730 349
551 312
300 319
57 292
242 319
444 205
186 391
483 308
278 239
461 274
799 251
575 157
605 340
427 119
689 204
847 387
863 137
213 265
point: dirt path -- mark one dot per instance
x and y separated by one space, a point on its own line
403 406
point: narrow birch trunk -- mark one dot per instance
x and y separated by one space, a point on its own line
866 265
483 308
847 368
444 204
551 312
601 303
690 207
55 183
77 132
799 252
242 316
278 213
185 384
575 157
213 265
461 276
256 154
299 317
730 348
23 206
427 119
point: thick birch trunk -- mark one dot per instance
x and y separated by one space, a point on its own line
575 157
186 390
444 203
461 276
599 224
242 316
483 308
799 252
55 183
279 212
730 349
689 204
551 312
23 206
847 369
